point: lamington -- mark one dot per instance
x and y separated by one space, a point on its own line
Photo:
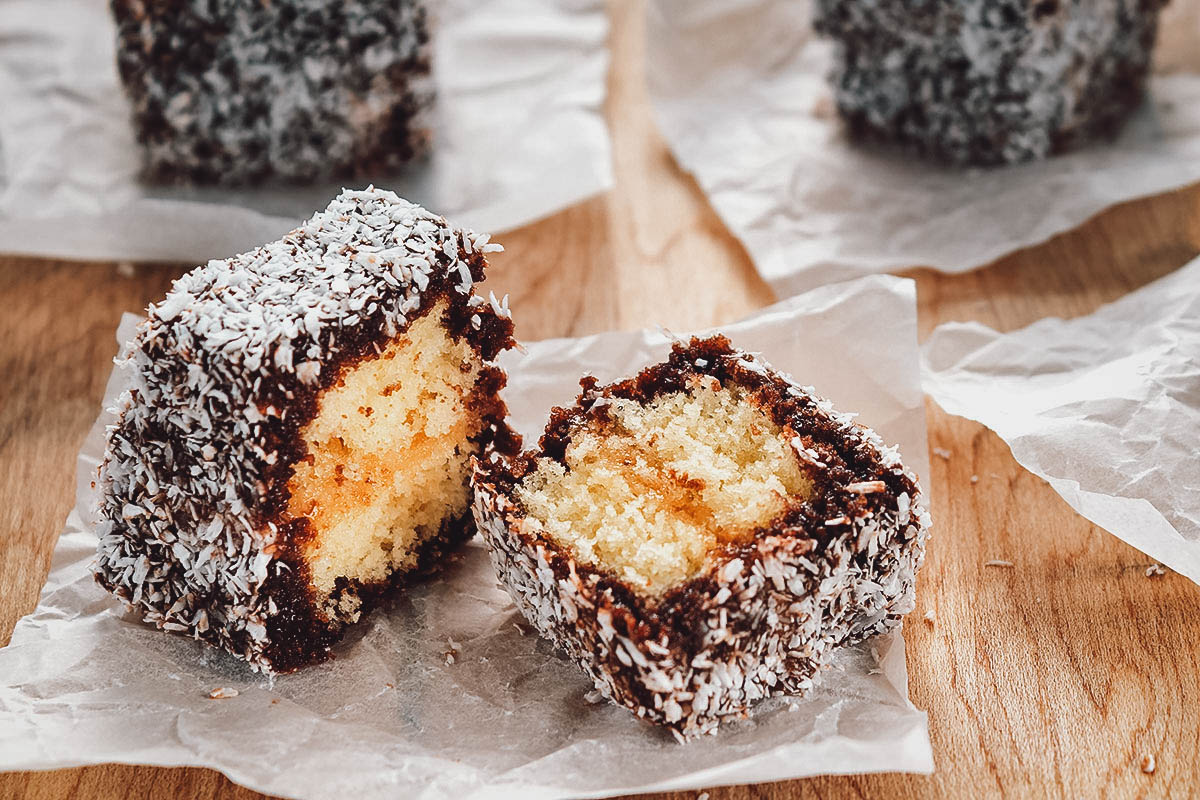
239 91
295 441
987 82
703 535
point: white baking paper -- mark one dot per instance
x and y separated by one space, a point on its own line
1106 408
739 90
519 133
82 683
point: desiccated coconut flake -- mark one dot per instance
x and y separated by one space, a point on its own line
866 487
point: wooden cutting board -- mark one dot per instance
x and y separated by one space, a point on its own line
1067 674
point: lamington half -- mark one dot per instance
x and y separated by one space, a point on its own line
238 91
296 438
703 535
988 81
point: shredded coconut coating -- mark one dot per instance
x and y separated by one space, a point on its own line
768 614
224 372
988 81
235 91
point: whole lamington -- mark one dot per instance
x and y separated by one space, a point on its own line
988 81
703 535
238 91
295 442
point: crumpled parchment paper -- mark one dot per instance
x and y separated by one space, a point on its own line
519 133
1106 408
81 683
739 90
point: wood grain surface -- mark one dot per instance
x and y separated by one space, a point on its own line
1055 677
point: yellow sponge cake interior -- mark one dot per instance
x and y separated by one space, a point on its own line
648 491
388 456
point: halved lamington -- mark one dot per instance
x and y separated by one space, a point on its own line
296 440
703 535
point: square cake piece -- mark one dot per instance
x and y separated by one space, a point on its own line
988 81
237 91
703 535
296 439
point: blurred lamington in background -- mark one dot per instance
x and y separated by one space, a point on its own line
988 81
237 91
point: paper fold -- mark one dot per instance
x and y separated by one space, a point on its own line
1106 408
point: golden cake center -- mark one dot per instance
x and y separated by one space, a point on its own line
650 491
388 457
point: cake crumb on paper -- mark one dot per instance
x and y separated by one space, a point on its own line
222 693
930 617
974 479
1148 764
